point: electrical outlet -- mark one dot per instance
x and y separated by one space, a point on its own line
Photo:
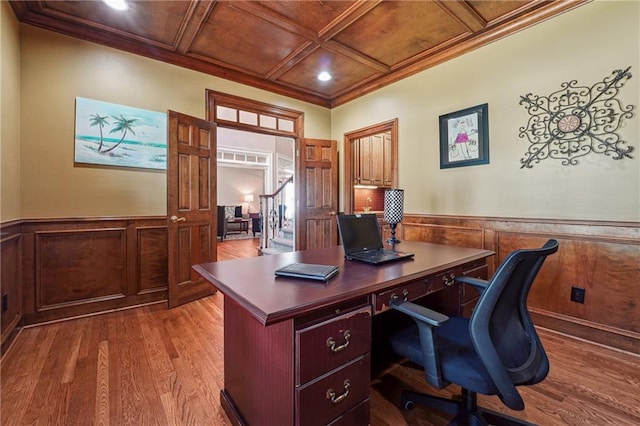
577 294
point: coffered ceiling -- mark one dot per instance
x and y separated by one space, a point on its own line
281 46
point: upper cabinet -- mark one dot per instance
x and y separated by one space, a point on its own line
372 160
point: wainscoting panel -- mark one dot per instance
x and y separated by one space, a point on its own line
452 235
151 259
74 267
601 257
79 266
604 269
11 268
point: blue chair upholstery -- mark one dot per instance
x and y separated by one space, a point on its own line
492 352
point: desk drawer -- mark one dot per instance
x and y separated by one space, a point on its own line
410 291
324 346
359 415
330 396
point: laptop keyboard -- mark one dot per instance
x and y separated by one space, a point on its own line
371 254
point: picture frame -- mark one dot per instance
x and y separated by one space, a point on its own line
108 134
464 137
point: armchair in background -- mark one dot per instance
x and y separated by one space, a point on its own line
222 223
492 352
256 223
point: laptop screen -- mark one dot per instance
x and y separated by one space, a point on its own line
359 232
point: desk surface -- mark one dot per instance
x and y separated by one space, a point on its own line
252 284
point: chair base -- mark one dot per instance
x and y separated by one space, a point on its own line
465 410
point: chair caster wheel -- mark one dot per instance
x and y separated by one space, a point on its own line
408 405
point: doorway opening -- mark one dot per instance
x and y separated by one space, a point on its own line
248 132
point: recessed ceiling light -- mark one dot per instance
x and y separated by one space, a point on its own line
324 76
117 4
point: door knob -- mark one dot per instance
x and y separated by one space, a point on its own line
176 219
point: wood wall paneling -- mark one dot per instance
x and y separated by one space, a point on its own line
151 259
11 285
601 257
75 267
61 268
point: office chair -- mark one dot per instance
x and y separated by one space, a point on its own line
491 353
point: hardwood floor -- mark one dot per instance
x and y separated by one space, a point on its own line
154 366
237 249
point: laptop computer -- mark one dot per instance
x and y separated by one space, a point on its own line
361 240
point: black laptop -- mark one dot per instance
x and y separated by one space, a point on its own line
361 240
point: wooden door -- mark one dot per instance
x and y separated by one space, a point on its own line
317 194
191 205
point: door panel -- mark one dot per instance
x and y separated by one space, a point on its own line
191 201
317 190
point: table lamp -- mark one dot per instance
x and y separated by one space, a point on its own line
393 209
248 198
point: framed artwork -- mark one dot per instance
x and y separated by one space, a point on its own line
464 137
121 136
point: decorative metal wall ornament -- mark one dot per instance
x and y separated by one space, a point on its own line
575 121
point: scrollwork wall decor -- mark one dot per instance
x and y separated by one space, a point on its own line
575 121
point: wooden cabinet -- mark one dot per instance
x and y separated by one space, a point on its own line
372 162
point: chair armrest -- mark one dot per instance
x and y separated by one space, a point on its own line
478 283
419 313
427 321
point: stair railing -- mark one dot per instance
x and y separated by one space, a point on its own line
271 216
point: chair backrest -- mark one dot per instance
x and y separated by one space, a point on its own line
502 330
221 221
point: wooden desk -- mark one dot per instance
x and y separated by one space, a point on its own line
297 351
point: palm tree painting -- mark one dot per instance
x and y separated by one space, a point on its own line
117 135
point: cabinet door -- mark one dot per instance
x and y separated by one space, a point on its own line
355 155
387 165
376 159
365 161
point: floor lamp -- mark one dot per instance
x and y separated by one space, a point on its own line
393 209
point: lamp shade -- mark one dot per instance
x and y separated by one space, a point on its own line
393 205
248 198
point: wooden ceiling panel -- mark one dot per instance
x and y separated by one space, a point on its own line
314 15
244 41
493 11
282 45
346 73
395 31
156 22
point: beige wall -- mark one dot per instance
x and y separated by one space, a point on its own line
9 114
54 70
585 44
235 182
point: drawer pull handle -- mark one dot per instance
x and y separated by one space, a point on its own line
405 296
331 395
331 342
449 280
